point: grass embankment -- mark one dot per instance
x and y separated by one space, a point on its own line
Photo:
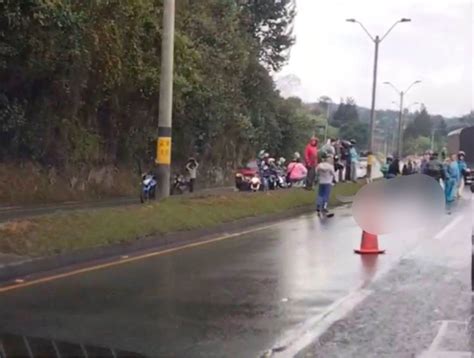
57 233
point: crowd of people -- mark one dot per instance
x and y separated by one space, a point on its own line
335 161
449 171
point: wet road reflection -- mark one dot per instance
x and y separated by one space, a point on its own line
231 298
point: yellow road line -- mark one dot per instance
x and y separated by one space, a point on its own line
128 260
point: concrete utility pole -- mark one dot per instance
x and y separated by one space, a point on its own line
376 40
400 118
163 145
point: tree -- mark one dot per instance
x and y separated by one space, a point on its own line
417 145
345 113
420 126
270 23
357 131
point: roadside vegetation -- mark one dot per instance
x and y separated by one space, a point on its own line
58 233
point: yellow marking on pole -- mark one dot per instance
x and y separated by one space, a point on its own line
163 150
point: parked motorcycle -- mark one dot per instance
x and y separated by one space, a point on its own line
179 185
255 184
148 187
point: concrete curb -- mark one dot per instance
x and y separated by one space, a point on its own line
35 266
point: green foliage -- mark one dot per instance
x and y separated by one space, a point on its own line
416 145
346 113
356 130
421 126
80 81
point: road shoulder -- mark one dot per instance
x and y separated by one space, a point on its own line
421 308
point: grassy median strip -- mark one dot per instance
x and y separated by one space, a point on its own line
57 233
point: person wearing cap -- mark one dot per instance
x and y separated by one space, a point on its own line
311 161
326 174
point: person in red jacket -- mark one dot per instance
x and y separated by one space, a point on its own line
311 161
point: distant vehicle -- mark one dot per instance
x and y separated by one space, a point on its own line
463 140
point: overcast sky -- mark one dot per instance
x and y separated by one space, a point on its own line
335 58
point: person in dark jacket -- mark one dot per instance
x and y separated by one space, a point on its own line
408 168
435 168
393 169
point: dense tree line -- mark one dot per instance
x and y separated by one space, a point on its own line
79 81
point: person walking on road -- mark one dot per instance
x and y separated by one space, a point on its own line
311 161
192 166
354 158
462 171
451 169
326 175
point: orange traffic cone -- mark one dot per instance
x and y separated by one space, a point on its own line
369 244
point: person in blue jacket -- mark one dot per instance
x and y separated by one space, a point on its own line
451 174
462 170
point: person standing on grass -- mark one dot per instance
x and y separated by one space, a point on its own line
311 161
354 158
192 166
326 175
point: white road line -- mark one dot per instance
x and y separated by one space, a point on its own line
304 334
448 227
441 333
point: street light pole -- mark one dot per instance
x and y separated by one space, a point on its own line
400 127
374 90
163 145
377 40
400 119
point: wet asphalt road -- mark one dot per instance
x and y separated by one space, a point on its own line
233 298
422 308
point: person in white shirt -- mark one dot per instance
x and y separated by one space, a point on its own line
192 166
326 175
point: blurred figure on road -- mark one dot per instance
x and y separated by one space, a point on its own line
451 170
354 158
326 175
311 161
424 162
386 165
408 167
394 168
192 166
370 165
434 168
